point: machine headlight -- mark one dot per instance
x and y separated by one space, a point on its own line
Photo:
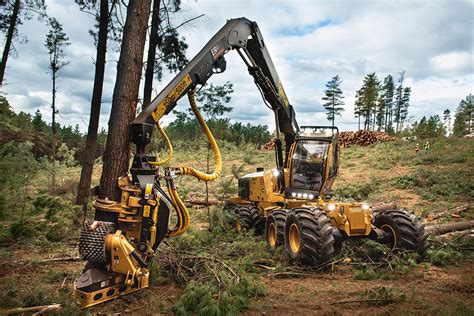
311 196
305 195
275 172
331 207
299 195
365 207
293 194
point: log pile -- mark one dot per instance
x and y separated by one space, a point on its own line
363 138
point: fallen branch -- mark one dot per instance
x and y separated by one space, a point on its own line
454 212
60 259
366 300
38 309
436 230
259 265
288 273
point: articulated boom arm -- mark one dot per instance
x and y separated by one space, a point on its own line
244 36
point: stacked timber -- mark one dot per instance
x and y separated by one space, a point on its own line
363 138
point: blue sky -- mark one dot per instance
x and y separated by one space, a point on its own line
310 41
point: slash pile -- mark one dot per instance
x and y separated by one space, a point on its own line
363 138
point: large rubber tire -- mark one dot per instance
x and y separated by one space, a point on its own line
309 236
408 233
249 218
275 228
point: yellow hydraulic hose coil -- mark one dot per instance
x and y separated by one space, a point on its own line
217 155
182 212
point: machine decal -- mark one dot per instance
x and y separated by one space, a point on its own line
217 52
172 97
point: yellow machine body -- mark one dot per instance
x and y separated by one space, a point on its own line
125 274
277 189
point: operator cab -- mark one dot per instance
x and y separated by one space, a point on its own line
313 162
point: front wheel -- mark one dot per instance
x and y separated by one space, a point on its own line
309 236
404 231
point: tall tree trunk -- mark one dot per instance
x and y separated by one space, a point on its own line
91 141
53 125
8 42
150 64
124 102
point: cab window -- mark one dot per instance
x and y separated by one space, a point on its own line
308 165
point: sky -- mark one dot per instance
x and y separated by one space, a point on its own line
310 41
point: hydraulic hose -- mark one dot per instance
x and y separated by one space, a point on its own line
215 149
183 215
168 143
183 219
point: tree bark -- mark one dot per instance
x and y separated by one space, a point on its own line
442 229
53 119
124 102
150 64
91 141
8 42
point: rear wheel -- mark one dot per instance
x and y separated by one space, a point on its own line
231 216
404 231
309 236
275 228
249 218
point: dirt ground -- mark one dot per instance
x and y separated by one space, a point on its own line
435 291
426 289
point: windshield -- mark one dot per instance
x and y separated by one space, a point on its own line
308 165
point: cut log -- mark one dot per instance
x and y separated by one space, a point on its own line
385 207
442 229
202 202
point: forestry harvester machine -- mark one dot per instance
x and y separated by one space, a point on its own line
290 202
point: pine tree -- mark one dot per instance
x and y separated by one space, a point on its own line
368 97
96 101
333 97
388 91
358 106
116 155
55 42
464 117
447 121
404 106
399 101
166 47
12 15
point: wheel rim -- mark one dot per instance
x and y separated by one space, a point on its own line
389 229
272 235
294 238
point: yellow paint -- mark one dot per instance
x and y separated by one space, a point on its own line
146 211
282 94
171 98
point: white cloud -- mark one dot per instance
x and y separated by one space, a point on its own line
452 63
309 41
